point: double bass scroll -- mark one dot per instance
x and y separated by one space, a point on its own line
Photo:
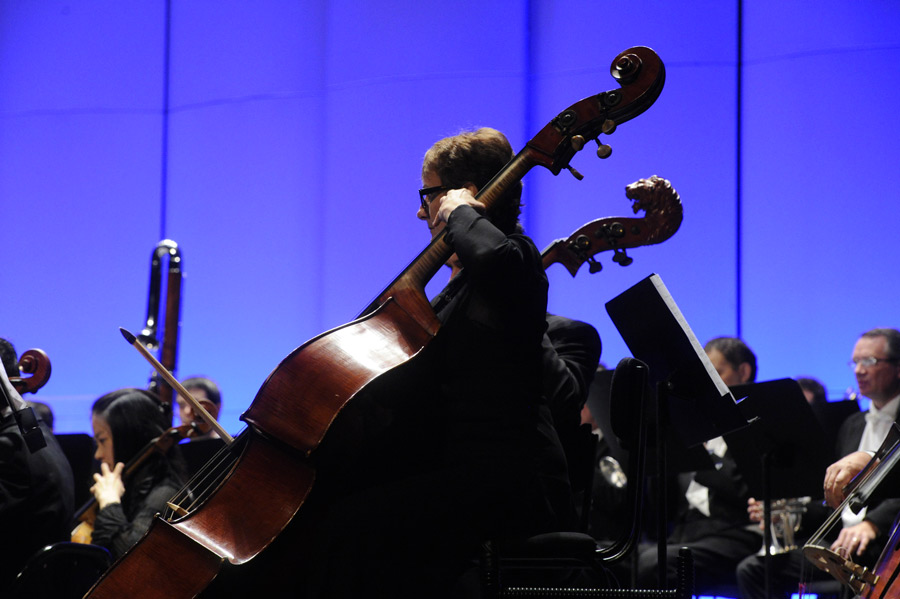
663 214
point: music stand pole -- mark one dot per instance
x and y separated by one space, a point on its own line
662 495
767 522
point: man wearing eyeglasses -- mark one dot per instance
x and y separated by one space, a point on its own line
571 348
463 449
876 364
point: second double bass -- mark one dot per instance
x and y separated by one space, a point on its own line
296 406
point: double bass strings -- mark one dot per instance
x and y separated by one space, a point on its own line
202 484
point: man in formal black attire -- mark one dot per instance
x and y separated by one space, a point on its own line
571 355
36 488
457 446
876 364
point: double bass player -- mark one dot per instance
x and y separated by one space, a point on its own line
462 448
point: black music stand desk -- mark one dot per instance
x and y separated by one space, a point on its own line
692 400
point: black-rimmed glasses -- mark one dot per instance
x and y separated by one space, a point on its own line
427 195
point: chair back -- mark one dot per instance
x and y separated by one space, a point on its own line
582 466
630 402
61 571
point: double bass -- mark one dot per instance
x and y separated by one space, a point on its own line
274 470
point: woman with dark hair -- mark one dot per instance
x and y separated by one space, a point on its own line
124 422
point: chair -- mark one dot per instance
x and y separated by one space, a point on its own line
61 571
568 552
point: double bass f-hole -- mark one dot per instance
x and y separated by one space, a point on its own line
168 349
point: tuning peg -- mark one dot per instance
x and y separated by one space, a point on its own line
577 142
621 258
594 266
581 244
574 172
603 150
608 127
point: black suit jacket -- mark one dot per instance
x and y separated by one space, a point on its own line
37 496
571 353
728 496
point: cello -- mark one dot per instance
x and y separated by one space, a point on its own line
274 472
883 580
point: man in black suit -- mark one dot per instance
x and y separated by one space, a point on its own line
36 488
876 364
571 353
456 446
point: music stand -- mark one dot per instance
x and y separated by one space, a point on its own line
774 460
777 410
681 458
692 399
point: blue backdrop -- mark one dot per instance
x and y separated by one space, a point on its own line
279 143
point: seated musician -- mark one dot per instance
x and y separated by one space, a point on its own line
124 422
466 450
207 392
876 364
36 489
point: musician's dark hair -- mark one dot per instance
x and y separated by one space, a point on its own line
815 387
9 357
735 352
208 385
474 157
135 417
891 336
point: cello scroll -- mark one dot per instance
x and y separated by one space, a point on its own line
36 363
